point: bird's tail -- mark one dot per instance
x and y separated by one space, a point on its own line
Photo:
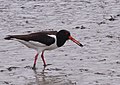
9 37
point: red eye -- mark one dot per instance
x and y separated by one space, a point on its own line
66 33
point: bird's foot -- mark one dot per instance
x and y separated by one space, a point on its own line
34 68
47 65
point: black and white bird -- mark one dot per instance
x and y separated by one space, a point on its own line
45 40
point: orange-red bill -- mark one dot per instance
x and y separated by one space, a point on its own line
75 41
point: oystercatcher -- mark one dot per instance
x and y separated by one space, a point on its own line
44 40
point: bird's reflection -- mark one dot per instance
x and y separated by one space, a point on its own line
40 75
50 77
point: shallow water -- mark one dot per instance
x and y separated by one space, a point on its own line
95 23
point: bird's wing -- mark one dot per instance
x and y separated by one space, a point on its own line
39 37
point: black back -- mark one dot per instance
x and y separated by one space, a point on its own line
41 37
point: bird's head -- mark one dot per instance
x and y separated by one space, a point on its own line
65 35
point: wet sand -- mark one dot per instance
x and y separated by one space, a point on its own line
95 23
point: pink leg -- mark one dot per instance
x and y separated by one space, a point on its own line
42 56
36 57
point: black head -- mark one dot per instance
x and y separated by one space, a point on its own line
63 36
